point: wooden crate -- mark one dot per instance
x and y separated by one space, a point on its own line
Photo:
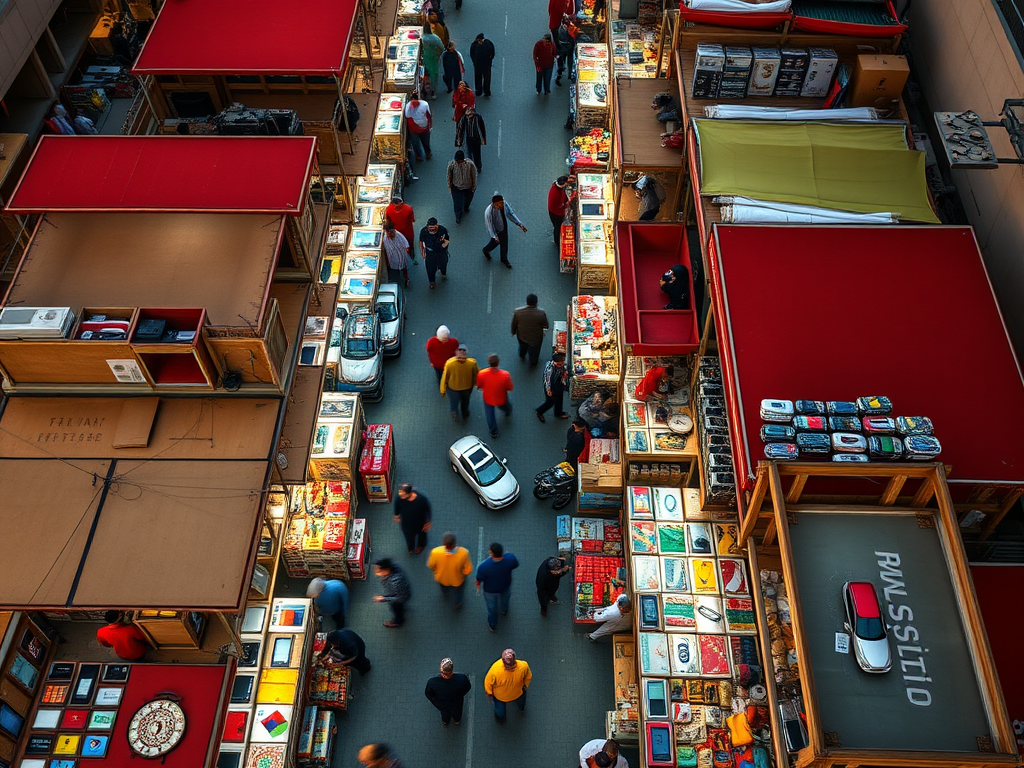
172 629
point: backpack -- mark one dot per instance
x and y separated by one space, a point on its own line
351 112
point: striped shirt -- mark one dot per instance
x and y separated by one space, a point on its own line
461 175
397 250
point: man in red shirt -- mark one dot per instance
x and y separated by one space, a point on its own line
440 349
401 215
496 384
127 640
556 10
558 203
656 383
544 55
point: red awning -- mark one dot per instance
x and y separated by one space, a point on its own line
836 313
249 37
210 174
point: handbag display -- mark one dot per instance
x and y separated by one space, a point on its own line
777 410
810 423
810 408
921 447
848 442
812 444
873 406
879 425
914 425
841 408
781 451
844 424
885 448
773 433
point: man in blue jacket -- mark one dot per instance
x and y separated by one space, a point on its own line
495 576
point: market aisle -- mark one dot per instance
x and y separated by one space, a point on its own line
572 686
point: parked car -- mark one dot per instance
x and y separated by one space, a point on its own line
865 623
495 487
361 359
391 314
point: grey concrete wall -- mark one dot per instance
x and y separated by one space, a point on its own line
21 24
965 59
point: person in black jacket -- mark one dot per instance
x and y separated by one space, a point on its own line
471 132
575 441
481 51
676 285
412 510
446 692
344 648
549 575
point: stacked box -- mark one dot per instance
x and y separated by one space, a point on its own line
764 71
323 739
736 72
707 71
820 69
792 71
358 549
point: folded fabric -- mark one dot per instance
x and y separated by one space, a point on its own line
739 729
739 6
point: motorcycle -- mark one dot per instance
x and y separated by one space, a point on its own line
559 482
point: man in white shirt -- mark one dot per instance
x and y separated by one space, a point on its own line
617 617
419 121
600 753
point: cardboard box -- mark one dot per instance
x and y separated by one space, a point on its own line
764 71
878 80
707 71
822 67
792 71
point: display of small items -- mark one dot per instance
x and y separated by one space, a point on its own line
714 432
847 431
735 72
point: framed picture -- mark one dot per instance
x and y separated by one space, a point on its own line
67 744
40 743
102 719
116 673
47 719
95 746
10 721
85 684
108 695
23 672
62 670
55 693
32 645
61 762
74 719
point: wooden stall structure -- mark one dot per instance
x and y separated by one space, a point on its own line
638 148
805 349
198 61
940 706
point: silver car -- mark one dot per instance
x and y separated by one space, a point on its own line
361 359
864 621
495 487
391 313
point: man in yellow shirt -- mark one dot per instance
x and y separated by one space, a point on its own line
507 681
459 380
451 566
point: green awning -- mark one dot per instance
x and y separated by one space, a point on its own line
853 167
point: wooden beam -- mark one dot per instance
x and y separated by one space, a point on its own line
811 507
997 517
769 534
870 469
974 625
796 489
923 495
754 507
815 735
892 490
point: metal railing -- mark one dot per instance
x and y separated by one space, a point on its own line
1013 15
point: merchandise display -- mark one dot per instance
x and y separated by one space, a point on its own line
328 685
389 131
595 247
718 484
402 60
377 463
590 150
699 628
662 424
588 96
600 471
735 72
594 359
634 49
316 538
598 580
336 436
624 722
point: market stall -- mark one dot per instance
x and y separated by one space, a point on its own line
316 541
639 150
588 96
594 247
594 358
940 702
402 62
769 359
634 48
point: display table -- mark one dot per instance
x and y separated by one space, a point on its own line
316 541
340 421
589 94
590 150
402 60
389 131
634 49
623 724
595 249
596 584
593 325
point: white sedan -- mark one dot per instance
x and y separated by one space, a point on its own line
495 487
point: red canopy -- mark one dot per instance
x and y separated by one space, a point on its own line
249 37
835 313
212 174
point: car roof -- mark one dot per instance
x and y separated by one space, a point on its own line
865 600
476 461
360 326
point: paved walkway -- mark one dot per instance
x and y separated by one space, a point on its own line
572 685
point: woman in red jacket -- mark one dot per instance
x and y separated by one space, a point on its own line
544 61
440 349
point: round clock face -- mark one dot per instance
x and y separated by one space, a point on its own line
680 423
156 728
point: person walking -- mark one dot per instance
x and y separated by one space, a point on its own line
401 214
378 756
528 326
549 575
558 205
462 99
344 648
461 184
558 10
496 218
438 28
330 598
432 47
450 565
617 617
544 55
507 681
575 442
458 380
481 53
419 121
440 349
495 384
472 132
413 513
565 42
447 692
396 590
495 576
434 242
649 194
452 67
396 249
555 379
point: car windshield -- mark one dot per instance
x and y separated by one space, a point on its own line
870 629
489 471
359 349
387 311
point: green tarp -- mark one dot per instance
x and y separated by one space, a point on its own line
854 167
